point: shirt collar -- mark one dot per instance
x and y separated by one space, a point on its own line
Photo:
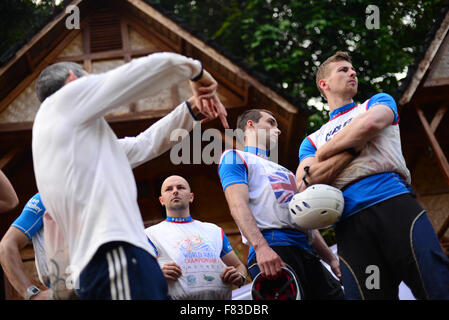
257 151
339 111
179 220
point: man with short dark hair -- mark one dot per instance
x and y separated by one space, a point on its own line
384 236
258 192
84 173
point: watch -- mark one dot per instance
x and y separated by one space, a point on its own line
31 292
243 279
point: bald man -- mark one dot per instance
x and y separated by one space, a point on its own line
196 257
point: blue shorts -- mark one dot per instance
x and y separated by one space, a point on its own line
121 271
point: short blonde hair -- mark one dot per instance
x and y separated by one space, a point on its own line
323 68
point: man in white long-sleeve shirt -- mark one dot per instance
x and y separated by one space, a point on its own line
84 173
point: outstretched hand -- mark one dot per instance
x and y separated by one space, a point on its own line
206 98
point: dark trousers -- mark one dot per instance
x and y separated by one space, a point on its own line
315 281
121 271
387 243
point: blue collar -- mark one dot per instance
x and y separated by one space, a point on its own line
179 220
335 113
257 151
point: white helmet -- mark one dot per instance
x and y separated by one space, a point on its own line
317 207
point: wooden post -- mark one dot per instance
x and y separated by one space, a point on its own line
441 158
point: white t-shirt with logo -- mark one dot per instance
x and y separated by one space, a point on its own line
196 247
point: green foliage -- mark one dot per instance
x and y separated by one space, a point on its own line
329 236
283 40
288 39
21 19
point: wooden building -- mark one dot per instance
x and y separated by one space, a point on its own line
423 103
112 33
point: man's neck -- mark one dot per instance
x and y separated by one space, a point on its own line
259 151
338 101
178 214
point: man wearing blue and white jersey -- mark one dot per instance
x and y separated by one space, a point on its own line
196 257
27 227
359 152
258 192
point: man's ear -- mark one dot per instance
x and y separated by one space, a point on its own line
71 77
161 201
250 124
323 85
192 196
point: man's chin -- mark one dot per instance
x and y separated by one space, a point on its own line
177 206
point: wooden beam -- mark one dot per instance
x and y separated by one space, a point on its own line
149 33
37 37
106 55
425 62
289 140
87 61
441 158
29 79
7 158
143 115
125 40
438 117
443 228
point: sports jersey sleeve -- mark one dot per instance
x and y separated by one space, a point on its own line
385 99
93 96
307 149
158 138
30 220
232 170
226 245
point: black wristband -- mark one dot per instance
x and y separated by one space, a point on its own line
306 170
198 77
191 111
352 152
305 181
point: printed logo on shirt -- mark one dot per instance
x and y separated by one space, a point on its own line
197 250
334 131
191 280
208 278
34 206
284 186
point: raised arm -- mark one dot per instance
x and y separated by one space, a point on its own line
157 139
92 96
269 262
8 197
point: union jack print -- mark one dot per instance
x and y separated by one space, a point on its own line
284 186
